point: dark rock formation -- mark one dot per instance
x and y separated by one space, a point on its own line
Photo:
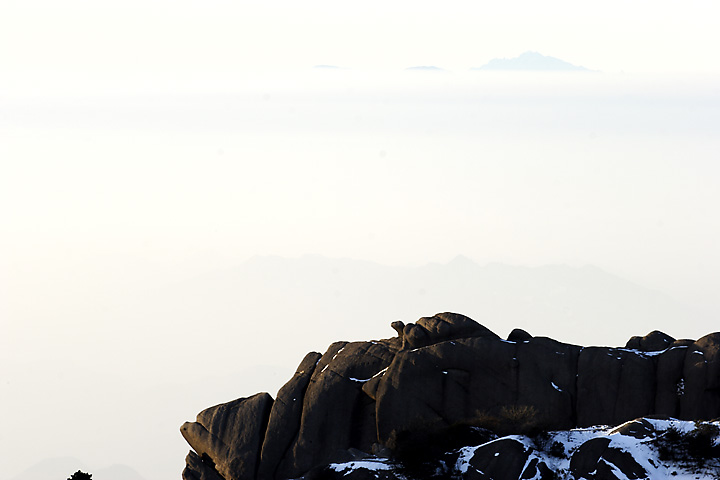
336 413
197 469
441 327
228 437
445 371
614 385
519 335
466 379
596 459
503 459
654 341
285 416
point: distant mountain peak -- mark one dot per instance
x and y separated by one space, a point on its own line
531 61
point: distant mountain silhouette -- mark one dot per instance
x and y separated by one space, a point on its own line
586 304
531 61
52 469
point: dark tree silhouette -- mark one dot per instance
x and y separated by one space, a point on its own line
80 476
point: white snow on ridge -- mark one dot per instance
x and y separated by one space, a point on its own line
643 450
556 448
682 426
348 467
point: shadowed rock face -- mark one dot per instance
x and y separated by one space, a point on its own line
229 436
443 371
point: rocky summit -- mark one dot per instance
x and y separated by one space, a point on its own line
448 398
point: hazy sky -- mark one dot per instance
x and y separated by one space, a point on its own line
146 144
169 44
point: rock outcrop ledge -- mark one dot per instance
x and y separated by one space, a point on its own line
373 399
